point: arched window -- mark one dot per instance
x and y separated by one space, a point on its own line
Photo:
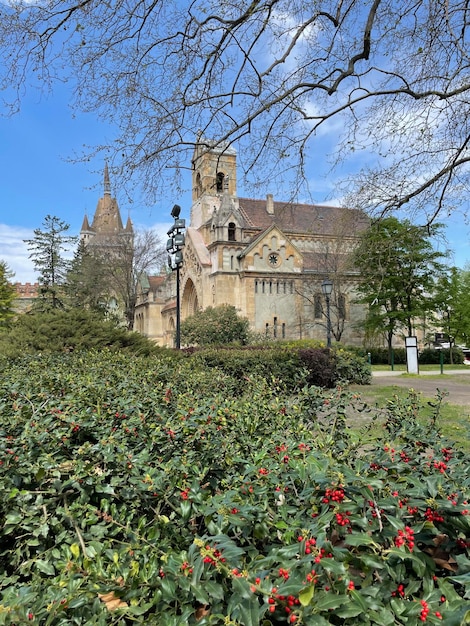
198 185
231 231
342 306
220 182
317 305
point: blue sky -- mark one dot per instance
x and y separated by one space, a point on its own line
37 180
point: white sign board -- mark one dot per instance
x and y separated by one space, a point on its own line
411 344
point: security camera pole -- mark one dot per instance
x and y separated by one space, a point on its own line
174 247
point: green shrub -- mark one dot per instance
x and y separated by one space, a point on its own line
272 362
431 356
74 329
286 363
215 326
352 366
127 499
380 356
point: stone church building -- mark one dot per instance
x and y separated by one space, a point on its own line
265 257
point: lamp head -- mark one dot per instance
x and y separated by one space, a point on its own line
175 211
327 287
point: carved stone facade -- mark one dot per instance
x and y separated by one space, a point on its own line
267 258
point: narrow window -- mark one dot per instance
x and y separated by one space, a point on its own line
256 286
275 327
283 330
231 231
342 306
198 185
270 286
317 304
267 329
220 182
263 286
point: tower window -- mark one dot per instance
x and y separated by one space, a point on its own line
231 231
317 304
342 306
220 182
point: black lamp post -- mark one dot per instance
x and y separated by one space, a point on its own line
327 288
174 247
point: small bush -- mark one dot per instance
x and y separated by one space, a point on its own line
352 366
321 366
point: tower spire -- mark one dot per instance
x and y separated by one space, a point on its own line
107 184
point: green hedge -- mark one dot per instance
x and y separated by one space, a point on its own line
291 364
428 356
133 492
431 356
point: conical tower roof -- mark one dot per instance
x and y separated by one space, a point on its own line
107 219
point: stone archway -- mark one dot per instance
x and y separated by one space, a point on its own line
189 300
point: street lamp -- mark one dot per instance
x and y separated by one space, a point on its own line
327 288
174 247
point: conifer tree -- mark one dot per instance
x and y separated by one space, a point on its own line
7 294
47 250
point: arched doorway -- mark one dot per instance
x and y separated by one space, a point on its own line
189 300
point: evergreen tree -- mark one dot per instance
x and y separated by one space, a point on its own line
46 251
86 285
7 294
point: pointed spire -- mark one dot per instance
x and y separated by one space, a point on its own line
86 223
107 184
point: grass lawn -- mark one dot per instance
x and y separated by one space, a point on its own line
425 368
454 419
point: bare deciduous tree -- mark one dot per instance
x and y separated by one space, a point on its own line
387 76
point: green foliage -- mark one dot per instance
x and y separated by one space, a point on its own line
431 356
273 362
127 499
75 329
427 356
47 253
399 268
215 326
88 281
352 366
7 295
382 356
452 310
286 363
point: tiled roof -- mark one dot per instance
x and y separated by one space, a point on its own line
156 281
300 218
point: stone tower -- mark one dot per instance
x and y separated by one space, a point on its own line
214 172
106 228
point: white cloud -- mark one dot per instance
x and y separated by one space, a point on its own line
15 253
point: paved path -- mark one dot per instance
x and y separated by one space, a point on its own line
455 382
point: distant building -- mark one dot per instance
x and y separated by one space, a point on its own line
26 293
112 242
265 257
